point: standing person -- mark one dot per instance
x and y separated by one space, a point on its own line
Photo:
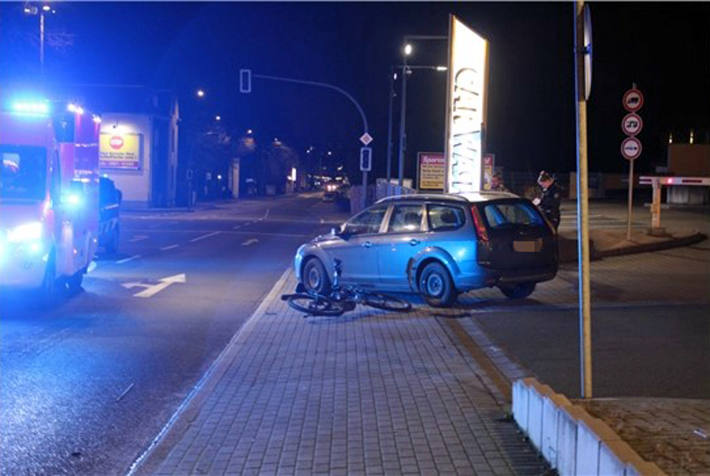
551 198
497 184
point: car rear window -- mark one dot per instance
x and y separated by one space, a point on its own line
445 218
504 214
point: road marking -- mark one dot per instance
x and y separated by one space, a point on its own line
217 368
250 242
205 236
169 247
126 260
265 215
245 232
92 266
138 238
125 392
236 227
322 221
153 289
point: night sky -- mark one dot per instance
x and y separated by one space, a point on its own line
663 47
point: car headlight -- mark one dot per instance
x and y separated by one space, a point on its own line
26 232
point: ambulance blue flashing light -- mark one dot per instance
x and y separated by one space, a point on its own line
39 108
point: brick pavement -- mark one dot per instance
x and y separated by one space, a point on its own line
366 393
674 433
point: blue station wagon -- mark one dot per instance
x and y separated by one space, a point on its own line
438 245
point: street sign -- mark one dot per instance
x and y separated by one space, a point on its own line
632 100
366 139
587 52
631 124
365 159
245 81
631 148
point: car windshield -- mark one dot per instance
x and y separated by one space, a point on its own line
23 172
502 214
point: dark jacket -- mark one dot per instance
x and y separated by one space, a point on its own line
550 203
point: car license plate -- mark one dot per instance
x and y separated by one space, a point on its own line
527 246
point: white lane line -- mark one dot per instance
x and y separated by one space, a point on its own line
126 260
245 232
236 227
138 238
266 215
169 247
205 236
215 368
250 242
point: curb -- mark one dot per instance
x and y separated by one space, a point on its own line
568 251
570 439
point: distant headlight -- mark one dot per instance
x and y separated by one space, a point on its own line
26 232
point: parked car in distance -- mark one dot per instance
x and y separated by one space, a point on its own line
332 190
438 245
109 207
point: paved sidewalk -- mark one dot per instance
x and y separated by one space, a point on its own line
674 433
365 393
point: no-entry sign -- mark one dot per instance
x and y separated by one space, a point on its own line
631 148
631 124
632 100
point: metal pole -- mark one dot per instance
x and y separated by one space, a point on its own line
364 190
41 42
631 199
389 129
585 334
402 124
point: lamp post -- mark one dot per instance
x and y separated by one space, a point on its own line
393 78
30 9
408 48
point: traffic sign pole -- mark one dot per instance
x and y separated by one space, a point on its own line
585 309
631 200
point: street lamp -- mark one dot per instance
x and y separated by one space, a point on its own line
218 118
33 10
407 50
200 93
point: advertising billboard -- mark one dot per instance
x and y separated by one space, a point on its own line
465 107
432 170
121 151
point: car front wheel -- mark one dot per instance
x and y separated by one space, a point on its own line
314 277
436 285
518 291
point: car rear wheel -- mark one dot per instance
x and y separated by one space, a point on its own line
314 277
518 291
436 285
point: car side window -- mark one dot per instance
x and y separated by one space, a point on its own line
405 218
368 221
445 218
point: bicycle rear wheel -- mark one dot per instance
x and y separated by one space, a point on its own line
386 302
314 304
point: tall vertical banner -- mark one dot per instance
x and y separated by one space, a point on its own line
465 107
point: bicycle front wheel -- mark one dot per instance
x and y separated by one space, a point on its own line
386 302
314 304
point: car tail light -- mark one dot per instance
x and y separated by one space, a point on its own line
478 224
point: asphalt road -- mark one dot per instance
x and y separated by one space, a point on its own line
650 316
87 386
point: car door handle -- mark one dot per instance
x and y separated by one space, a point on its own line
367 244
414 242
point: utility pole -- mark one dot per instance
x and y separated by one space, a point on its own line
585 334
402 124
389 127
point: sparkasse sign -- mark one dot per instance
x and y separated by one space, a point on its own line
465 107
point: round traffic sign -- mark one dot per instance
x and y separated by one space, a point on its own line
631 148
631 124
632 100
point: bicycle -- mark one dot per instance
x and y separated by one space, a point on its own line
343 299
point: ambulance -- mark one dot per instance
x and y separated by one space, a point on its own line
49 209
